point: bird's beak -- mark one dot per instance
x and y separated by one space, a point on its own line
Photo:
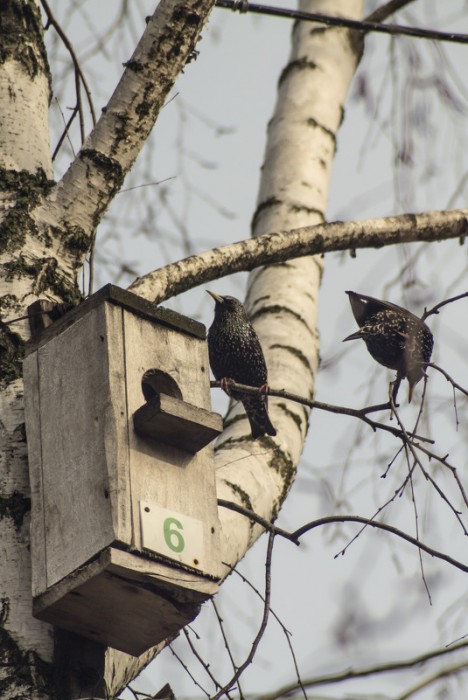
216 297
410 391
353 336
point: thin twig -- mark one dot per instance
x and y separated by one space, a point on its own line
426 475
448 378
187 670
261 631
203 663
225 639
333 21
380 526
386 10
397 494
413 494
443 673
435 309
286 632
443 461
65 131
349 674
51 20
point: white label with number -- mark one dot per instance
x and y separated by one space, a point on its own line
172 534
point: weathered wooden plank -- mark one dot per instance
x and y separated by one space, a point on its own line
116 427
123 299
84 424
171 420
159 600
32 409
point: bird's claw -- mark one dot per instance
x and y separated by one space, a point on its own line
226 384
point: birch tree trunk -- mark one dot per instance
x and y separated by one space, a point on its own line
26 645
46 230
283 299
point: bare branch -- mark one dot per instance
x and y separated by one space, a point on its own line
380 526
286 632
187 670
366 671
203 663
277 247
79 75
448 378
412 448
435 309
443 462
360 413
266 612
257 519
384 11
224 636
443 673
108 153
327 520
360 26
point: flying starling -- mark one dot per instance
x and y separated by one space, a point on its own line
394 336
236 354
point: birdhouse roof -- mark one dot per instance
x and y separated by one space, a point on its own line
128 300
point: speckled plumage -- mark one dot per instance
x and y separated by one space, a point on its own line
394 336
235 353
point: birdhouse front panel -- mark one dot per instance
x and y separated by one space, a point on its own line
174 484
124 525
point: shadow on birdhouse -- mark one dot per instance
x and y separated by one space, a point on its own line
124 523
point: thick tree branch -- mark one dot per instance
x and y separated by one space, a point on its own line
277 247
96 174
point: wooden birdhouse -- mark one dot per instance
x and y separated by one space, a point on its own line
124 523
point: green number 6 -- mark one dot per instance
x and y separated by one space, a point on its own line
172 536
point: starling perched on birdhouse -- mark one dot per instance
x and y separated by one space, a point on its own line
394 336
235 353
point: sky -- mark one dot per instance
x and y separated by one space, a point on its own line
208 148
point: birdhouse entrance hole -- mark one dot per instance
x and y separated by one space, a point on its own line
167 418
155 381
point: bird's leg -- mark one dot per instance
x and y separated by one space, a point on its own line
396 386
226 384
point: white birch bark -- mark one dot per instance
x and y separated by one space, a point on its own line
24 148
283 299
316 239
45 233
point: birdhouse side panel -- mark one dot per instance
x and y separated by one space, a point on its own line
78 408
33 434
